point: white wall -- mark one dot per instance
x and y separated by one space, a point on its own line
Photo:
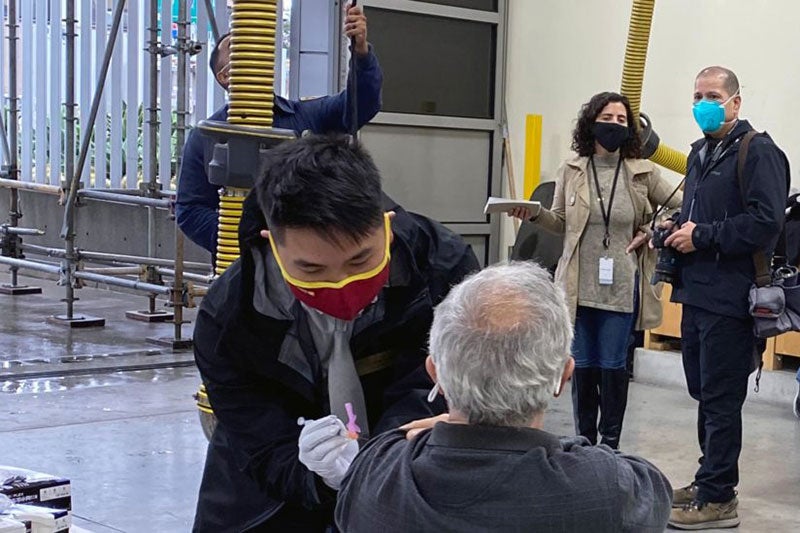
561 52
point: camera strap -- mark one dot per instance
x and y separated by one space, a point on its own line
606 213
662 207
760 261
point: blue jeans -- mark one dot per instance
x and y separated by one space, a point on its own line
601 338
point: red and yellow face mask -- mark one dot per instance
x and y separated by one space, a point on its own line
343 299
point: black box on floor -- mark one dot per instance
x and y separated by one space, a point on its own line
34 488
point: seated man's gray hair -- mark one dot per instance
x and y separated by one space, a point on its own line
500 341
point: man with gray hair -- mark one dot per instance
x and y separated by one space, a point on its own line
499 350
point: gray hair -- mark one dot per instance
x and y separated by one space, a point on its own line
500 341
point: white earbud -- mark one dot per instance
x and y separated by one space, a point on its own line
433 393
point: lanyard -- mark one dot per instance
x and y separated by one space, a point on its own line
606 214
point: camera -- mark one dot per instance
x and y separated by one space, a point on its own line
667 263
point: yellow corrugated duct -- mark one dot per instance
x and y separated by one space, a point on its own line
670 158
253 33
633 76
636 52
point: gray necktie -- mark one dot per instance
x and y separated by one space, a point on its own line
344 386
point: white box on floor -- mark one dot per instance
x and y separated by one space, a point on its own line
41 519
9 525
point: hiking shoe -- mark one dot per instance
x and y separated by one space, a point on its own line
700 515
796 403
684 496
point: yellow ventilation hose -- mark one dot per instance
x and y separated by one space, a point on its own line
670 158
633 75
253 31
230 213
636 52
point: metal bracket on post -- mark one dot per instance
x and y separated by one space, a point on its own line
11 246
180 296
191 48
159 49
75 321
151 189
62 198
151 275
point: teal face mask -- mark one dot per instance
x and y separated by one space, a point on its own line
710 114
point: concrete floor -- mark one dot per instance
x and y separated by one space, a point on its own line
131 444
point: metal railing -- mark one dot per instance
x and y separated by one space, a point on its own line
110 154
60 47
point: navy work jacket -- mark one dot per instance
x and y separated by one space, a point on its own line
198 200
717 277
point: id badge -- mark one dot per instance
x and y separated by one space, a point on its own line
606 271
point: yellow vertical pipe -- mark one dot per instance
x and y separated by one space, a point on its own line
533 153
254 26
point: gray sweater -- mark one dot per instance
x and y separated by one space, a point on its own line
619 295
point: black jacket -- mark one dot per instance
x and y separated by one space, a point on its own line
467 478
717 277
253 478
793 231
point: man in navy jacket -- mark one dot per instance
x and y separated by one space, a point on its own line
719 230
198 200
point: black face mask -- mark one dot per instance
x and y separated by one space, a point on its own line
610 135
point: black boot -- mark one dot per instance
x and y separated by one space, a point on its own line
613 400
586 401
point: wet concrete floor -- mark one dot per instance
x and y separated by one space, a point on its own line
132 445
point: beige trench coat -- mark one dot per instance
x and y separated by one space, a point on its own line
569 216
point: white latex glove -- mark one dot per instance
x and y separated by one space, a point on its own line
326 450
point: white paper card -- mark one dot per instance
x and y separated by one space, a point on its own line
606 271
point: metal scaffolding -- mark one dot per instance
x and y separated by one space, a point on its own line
149 271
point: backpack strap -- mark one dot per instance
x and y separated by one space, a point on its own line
763 274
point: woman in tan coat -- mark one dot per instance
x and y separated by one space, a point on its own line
603 205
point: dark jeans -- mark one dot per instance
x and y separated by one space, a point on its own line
601 338
717 360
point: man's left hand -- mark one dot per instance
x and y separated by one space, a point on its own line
681 239
416 427
355 25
